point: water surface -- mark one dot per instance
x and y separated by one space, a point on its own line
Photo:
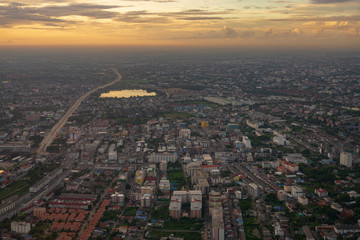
127 93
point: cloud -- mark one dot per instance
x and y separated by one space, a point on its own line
87 10
17 13
141 17
268 32
22 12
329 1
158 1
230 32
196 12
7 42
291 33
200 18
186 15
247 34
13 14
317 19
227 32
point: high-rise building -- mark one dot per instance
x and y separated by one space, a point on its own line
163 166
145 200
118 198
39 211
217 222
195 207
20 227
164 186
346 159
254 190
175 208
214 201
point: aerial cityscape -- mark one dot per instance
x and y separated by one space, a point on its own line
171 119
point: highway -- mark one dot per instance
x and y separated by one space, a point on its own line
31 198
52 134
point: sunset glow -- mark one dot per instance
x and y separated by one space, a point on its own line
238 23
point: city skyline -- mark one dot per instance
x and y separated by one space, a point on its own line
326 24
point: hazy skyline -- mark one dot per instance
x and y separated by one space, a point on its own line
331 24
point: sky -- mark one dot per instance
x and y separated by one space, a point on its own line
314 24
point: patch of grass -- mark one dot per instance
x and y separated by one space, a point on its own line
176 115
251 226
21 187
176 177
130 211
245 204
197 102
131 120
183 224
127 83
161 212
37 173
18 187
39 230
252 229
111 215
156 234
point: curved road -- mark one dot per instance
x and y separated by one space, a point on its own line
52 134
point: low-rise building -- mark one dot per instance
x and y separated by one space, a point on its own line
282 195
347 229
296 191
303 200
308 233
337 207
321 192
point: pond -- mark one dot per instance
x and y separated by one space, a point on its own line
127 93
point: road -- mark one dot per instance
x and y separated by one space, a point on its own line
31 198
52 134
261 182
94 210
